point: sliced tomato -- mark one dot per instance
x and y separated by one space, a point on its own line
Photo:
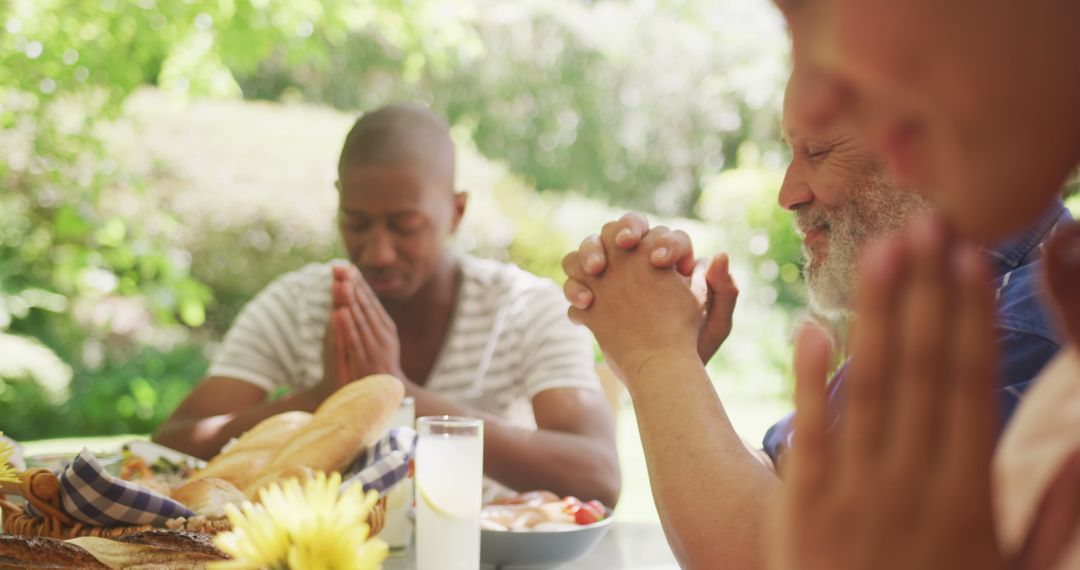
585 515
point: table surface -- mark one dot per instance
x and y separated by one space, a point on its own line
627 546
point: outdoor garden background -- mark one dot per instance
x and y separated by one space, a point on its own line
163 160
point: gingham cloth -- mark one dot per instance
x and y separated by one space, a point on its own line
93 497
384 464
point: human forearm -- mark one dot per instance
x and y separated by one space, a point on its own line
712 494
204 436
525 459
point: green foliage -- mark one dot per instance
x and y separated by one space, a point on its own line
640 103
110 286
132 395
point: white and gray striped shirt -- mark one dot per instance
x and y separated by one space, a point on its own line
509 339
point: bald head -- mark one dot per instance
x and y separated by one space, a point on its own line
401 135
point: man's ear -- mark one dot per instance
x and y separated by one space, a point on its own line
460 201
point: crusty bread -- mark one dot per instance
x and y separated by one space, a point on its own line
182 540
299 472
347 423
270 433
134 556
249 455
41 552
208 496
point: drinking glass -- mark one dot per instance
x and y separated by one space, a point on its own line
398 531
449 488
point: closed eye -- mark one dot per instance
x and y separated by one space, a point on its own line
818 154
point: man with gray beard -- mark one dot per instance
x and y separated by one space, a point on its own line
711 489
875 205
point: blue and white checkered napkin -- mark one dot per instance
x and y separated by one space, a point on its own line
384 464
93 497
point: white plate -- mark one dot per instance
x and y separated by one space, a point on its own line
151 451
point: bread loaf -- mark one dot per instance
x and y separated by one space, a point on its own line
270 433
346 424
134 556
208 496
41 552
249 455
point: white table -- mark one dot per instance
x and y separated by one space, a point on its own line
627 546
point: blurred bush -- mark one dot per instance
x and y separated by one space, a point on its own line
135 222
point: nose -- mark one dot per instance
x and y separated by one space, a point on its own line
379 248
795 191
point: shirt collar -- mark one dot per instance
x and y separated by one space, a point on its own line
1024 247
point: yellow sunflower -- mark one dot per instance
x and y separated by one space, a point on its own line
294 527
7 472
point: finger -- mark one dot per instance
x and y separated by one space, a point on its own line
578 294
362 324
974 412
372 306
337 293
340 320
810 449
718 277
591 253
625 233
922 383
1057 521
358 354
721 296
653 243
723 293
573 268
632 227
1063 273
881 268
576 315
698 283
673 248
340 271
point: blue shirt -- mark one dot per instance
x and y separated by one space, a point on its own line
1027 336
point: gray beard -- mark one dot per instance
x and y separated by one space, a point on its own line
877 207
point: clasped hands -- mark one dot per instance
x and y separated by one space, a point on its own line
640 290
361 339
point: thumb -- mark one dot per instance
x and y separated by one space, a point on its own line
722 289
719 305
1062 260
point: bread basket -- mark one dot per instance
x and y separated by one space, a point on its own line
41 488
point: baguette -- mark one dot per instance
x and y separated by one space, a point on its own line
41 552
347 423
208 496
249 456
135 556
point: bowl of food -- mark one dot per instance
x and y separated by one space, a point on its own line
539 530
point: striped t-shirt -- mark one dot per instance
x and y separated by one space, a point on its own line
509 339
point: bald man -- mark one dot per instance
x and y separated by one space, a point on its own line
469 337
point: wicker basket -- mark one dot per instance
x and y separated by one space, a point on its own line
41 488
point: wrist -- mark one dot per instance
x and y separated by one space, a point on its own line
658 361
312 397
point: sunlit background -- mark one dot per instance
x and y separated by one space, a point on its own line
162 161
